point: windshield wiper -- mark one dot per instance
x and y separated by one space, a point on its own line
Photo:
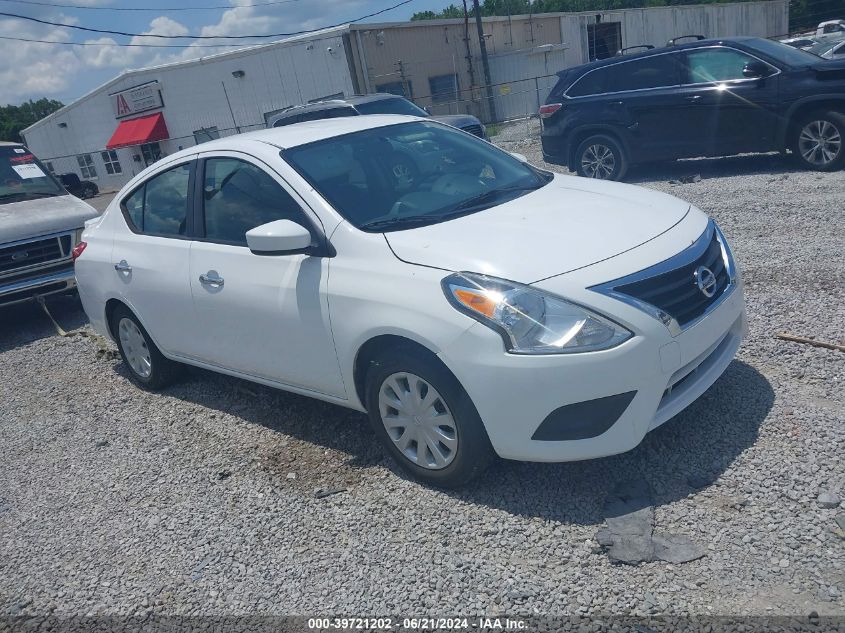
407 221
487 197
37 194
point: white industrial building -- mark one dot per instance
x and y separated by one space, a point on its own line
114 131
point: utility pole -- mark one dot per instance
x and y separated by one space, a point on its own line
491 105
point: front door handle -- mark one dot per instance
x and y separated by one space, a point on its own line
123 267
693 98
211 279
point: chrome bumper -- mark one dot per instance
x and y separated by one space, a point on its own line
27 289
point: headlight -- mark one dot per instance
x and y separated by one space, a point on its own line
529 320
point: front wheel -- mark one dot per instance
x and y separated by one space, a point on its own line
817 141
602 157
425 419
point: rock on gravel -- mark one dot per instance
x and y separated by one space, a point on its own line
828 500
147 517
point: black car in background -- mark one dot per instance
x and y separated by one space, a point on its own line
704 98
378 103
79 188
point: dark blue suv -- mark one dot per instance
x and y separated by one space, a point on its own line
704 98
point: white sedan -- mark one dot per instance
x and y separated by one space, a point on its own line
472 304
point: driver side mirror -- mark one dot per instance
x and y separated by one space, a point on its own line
756 70
282 237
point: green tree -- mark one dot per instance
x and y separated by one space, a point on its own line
803 14
14 118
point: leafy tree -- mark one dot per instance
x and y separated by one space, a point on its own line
803 14
14 118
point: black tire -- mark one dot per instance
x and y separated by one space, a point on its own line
606 156
833 125
163 371
88 192
473 453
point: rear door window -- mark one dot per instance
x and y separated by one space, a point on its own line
160 205
659 71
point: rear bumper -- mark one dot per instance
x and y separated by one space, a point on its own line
53 282
555 149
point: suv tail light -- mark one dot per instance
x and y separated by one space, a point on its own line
77 250
549 109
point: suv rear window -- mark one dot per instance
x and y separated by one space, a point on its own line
658 71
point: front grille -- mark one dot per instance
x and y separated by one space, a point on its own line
474 129
41 251
676 292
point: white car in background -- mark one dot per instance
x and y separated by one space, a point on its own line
484 307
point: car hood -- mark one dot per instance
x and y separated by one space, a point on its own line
31 218
456 120
567 224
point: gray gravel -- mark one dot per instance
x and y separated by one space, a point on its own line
223 497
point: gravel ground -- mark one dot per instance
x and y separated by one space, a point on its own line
202 500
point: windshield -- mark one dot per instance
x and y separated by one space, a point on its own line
390 106
782 52
400 176
23 177
823 47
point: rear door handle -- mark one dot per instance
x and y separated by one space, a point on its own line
123 267
211 279
693 98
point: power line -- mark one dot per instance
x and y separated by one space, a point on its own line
119 45
158 10
198 37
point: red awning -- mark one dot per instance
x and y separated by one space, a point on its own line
144 129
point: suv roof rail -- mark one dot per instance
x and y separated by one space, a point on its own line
624 51
674 40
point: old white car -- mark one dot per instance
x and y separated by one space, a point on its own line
480 307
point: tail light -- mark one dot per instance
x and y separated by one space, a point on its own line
77 250
549 109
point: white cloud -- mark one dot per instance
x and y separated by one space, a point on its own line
35 70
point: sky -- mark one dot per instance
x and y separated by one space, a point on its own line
30 70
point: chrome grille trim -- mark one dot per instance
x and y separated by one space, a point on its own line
688 257
49 250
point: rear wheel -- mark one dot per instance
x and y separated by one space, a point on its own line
425 419
88 191
817 141
601 156
148 368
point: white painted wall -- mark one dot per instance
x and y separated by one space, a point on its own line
276 76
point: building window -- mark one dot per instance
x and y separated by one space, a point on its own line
86 166
444 88
111 162
604 39
151 153
206 134
399 88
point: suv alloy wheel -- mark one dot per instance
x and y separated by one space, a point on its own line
818 141
601 157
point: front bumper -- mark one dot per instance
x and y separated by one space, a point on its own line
515 394
50 282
